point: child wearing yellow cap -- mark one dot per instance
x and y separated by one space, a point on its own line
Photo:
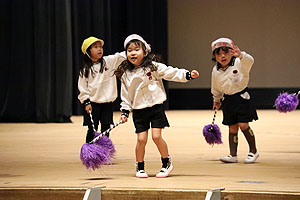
97 85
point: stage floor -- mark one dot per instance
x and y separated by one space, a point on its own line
46 155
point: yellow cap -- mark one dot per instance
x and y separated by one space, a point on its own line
88 42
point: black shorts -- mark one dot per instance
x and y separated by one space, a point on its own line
155 115
102 112
236 109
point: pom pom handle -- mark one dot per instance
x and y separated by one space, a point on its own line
102 134
92 121
214 118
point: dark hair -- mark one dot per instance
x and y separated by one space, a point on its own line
146 62
87 65
217 51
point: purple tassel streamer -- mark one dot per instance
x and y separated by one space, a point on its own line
212 134
286 102
93 156
106 143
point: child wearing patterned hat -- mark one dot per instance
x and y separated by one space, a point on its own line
143 93
229 87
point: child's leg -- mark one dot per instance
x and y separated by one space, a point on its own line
104 127
140 154
160 142
162 146
253 154
89 135
87 122
105 116
233 144
233 139
249 135
140 146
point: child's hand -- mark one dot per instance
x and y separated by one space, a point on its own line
124 119
194 73
236 52
88 108
217 105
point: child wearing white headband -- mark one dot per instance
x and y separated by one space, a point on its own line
143 93
229 86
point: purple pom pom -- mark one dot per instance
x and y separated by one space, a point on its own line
107 144
212 134
93 156
286 102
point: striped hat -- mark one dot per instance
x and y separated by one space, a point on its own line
222 42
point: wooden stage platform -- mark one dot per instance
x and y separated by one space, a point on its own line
41 161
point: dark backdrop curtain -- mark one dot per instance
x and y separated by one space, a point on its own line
41 49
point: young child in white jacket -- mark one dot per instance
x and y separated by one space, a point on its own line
97 85
229 86
143 93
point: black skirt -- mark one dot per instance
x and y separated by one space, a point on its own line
237 109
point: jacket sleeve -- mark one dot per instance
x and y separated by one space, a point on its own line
113 61
246 61
217 94
125 104
84 92
170 73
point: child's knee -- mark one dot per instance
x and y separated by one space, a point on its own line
142 141
233 128
243 126
156 138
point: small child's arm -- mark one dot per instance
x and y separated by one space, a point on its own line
115 60
246 59
236 52
124 116
170 73
125 104
217 94
84 94
216 105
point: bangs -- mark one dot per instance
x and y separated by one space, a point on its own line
137 43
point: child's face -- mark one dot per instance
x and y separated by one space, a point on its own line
135 54
96 51
223 57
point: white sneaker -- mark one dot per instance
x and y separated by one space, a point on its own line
251 158
229 159
164 172
141 174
